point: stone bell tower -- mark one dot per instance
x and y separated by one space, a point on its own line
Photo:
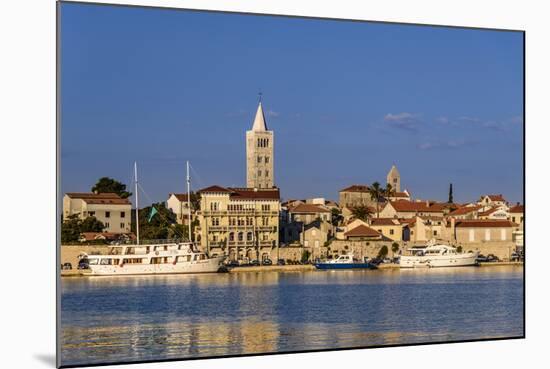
259 153
394 178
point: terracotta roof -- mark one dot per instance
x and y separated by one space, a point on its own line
181 196
356 188
464 210
238 193
384 221
516 209
485 223
408 221
416 206
214 188
99 198
400 194
252 193
362 231
309 208
487 212
498 197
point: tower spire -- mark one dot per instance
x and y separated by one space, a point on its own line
259 120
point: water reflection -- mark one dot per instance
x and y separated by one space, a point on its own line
142 318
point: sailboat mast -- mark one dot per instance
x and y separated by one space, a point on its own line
189 202
137 201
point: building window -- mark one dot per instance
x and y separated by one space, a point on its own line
391 231
267 159
240 236
259 159
91 213
107 214
249 236
503 234
215 238
240 222
231 236
215 221
267 173
107 225
266 207
213 206
249 221
122 225
259 173
265 221
122 214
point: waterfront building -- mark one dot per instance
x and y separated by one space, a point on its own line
109 208
239 222
307 213
179 205
516 215
362 233
469 231
259 153
389 227
421 229
410 209
394 179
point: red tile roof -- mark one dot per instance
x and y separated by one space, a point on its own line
464 210
384 221
485 223
516 209
309 208
362 231
356 188
181 196
497 197
99 198
214 188
253 193
487 212
400 194
416 206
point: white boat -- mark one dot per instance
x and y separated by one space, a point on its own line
168 258
437 255
173 258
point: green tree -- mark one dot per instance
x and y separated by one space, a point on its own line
450 201
459 249
394 248
162 225
106 184
383 252
362 212
336 216
389 191
376 193
305 256
73 226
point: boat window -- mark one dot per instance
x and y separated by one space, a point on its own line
93 261
105 261
188 257
196 257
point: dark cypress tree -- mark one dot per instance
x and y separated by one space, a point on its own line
450 194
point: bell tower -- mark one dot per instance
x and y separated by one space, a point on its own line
394 179
259 153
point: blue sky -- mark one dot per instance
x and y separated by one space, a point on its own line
346 100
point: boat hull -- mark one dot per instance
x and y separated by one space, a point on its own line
458 260
342 266
201 266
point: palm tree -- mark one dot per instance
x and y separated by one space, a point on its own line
362 212
389 191
376 192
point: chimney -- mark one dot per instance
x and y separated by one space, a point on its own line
427 203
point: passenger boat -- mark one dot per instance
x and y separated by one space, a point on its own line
169 258
437 255
344 262
174 258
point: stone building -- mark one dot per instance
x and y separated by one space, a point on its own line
355 195
516 215
259 153
479 230
239 222
394 178
492 200
411 209
178 203
389 227
109 208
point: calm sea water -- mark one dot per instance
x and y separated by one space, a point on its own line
108 319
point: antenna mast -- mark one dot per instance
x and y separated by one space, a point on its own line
137 201
189 201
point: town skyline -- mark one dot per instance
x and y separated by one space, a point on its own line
440 119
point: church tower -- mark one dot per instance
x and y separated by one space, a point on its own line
259 153
394 178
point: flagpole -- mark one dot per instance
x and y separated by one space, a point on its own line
189 201
137 201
